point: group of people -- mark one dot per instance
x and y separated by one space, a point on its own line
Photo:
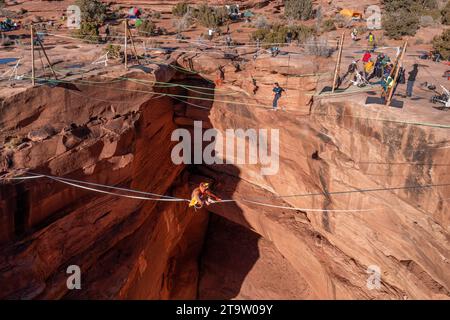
8 25
370 39
274 51
380 68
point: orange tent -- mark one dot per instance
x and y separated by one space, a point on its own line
350 13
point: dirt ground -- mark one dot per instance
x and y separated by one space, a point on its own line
72 57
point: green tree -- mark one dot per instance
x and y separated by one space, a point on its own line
402 17
400 23
328 25
446 14
92 11
298 9
147 28
277 33
211 17
415 6
93 15
113 50
180 9
88 31
183 23
442 44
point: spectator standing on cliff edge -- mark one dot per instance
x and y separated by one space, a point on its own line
371 41
354 35
278 91
412 75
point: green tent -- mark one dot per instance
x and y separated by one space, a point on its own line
248 14
138 23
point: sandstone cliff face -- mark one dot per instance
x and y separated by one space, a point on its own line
406 231
56 225
403 227
129 248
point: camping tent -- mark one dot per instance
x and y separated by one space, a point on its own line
138 23
248 14
350 13
134 13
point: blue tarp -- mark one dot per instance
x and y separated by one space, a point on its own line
7 60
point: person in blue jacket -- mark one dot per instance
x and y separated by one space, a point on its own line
278 91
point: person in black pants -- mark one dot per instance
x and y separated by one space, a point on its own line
278 91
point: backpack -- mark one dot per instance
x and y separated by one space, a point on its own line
401 76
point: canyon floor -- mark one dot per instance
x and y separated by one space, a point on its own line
358 208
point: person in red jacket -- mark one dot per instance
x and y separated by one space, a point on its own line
366 56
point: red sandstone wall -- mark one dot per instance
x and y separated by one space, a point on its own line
151 250
61 225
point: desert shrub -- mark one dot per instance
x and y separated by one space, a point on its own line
6 41
436 14
259 34
298 9
261 22
14 142
115 15
328 25
400 23
147 28
402 17
302 33
88 31
318 47
362 29
446 14
442 44
210 17
183 24
278 33
93 14
180 9
113 51
416 6
92 11
156 15
341 21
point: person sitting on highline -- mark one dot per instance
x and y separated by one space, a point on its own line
202 195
